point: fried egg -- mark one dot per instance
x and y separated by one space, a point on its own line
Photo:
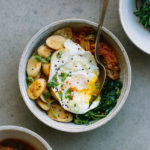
74 78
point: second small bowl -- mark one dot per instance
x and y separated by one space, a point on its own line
135 31
25 135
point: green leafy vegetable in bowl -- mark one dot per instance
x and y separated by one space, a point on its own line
43 60
29 80
143 12
110 94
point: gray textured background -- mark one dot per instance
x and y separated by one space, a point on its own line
19 21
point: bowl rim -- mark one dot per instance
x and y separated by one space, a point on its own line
85 128
27 132
125 29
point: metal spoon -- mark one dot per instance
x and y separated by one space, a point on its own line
138 4
99 30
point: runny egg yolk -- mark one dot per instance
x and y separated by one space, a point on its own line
92 90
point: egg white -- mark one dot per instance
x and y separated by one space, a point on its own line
82 73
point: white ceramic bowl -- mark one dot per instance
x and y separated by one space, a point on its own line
15 132
135 31
39 38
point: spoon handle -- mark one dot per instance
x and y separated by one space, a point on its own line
101 20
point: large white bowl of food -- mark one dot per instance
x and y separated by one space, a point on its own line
59 76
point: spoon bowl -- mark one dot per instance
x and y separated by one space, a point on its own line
102 76
98 37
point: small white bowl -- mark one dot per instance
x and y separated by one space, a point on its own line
20 133
38 39
135 31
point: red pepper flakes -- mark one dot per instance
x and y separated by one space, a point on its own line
71 97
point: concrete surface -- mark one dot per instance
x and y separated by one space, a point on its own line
19 21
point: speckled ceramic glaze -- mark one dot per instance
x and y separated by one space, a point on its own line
15 132
38 39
